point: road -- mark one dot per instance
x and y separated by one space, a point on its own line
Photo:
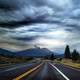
44 70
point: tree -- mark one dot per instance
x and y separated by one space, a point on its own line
67 52
75 55
52 57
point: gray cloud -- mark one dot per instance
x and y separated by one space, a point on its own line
41 22
32 9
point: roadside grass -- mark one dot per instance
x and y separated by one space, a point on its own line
8 61
3 66
70 63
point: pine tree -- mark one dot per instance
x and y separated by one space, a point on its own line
75 55
67 52
52 57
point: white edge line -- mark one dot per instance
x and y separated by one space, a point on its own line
60 72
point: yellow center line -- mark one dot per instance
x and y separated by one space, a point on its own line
27 73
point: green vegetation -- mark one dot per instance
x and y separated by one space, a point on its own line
52 57
70 58
69 62
67 52
75 56
7 60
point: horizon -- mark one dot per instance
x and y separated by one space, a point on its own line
35 47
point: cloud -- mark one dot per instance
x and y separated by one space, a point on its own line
76 14
25 23
49 43
52 36
29 9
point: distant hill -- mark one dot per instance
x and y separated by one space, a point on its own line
11 57
6 53
35 52
59 55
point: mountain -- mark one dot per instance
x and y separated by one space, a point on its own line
6 53
35 52
59 55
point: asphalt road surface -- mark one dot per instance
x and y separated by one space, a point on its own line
45 70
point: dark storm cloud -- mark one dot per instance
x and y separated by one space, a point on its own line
33 10
27 21
12 4
27 38
29 12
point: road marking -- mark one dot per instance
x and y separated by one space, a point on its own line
27 73
60 72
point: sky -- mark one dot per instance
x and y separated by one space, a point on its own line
52 24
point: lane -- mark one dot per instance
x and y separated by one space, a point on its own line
63 75
13 72
45 72
71 73
27 73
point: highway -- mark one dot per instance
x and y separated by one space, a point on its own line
42 70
